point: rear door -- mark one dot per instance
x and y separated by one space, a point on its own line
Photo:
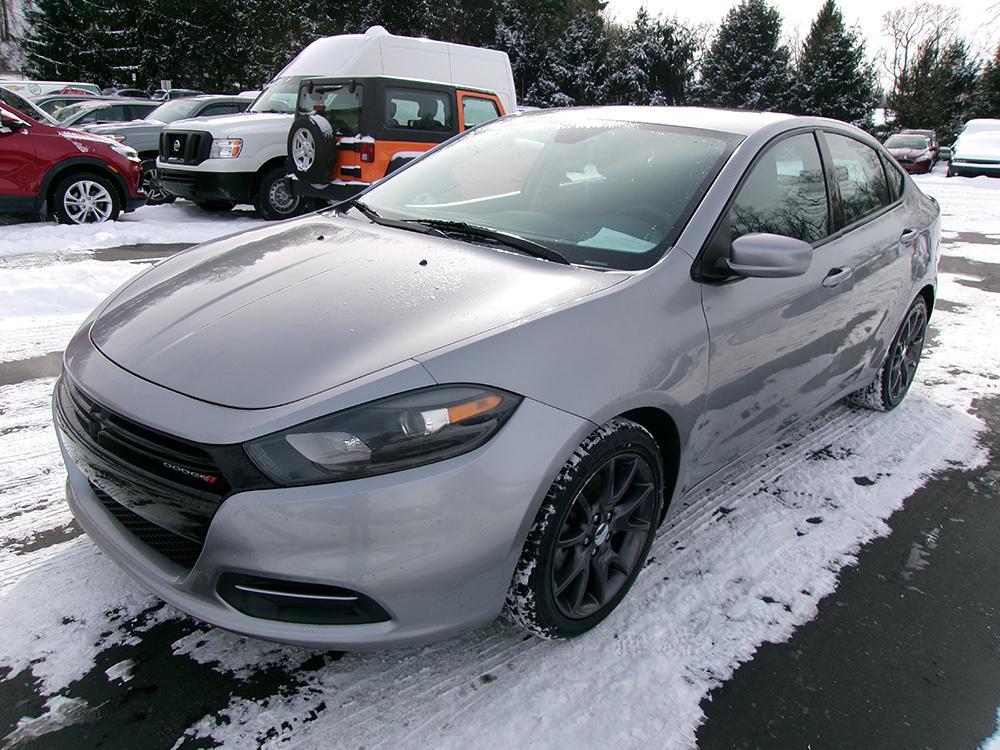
772 341
413 118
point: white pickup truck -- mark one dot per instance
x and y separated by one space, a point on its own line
218 162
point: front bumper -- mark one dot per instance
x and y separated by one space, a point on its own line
974 169
434 546
916 167
199 185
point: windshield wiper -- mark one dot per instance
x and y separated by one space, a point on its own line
529 247
376 218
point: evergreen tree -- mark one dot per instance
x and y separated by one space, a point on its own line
61 36
834 79
575 69
746 66
987 99
653 62
937 90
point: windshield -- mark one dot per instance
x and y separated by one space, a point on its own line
602 193
170 111
907 141
280 96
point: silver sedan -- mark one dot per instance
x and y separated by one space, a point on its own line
482 385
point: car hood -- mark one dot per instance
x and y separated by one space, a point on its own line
907 153
278 314
236 126
114 128
987 149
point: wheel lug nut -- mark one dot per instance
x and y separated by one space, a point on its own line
586 542
609 517
597 517
593 552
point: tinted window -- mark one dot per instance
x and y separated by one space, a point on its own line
860 178
785 193
895 178
417 110
137 112
337 104
476 111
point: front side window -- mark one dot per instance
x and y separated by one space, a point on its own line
478 111
860 178
785 193
603 193
410 109
337 103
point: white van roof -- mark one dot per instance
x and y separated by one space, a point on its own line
35 89
379 53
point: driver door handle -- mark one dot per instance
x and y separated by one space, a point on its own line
836 276
908 236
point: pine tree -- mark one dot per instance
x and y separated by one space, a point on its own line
937 89
652 62
746 66
60 37
834 79
987 99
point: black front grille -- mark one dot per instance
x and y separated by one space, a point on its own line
178 177
185 146
179 550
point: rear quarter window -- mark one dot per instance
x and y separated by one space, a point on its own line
860 178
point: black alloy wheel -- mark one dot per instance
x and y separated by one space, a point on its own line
603 536
905 354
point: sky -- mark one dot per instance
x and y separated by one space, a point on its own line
798 15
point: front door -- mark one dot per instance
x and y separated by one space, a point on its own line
772 343
18 164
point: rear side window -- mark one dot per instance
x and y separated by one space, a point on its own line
477 111
860 178
340 106
411 109
895 178
784 194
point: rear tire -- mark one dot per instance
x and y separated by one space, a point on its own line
592 534
899 367
274 200
86 198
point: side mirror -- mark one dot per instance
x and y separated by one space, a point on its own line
769 256
10 124
944 152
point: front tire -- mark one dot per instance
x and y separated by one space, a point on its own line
899 367
86 198
274 200
591 535
155 196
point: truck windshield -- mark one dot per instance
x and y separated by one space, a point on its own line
280 96
601 193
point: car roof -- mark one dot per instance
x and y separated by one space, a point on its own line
217 97
735 121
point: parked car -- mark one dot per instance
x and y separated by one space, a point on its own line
980 125
24 106
164 95
483 383
55 103
34 89
144 135
976 153
135 93
351 132
931 135
78 177
218 163
105 110
913 152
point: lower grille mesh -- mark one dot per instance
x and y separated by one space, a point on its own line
177 549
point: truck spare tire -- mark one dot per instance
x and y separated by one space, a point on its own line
312 148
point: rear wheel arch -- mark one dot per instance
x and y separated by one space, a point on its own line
928 294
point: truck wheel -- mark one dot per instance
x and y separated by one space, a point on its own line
86 199
312 148
274 199
155 196
216 207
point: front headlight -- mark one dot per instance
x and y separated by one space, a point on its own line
925 156
225 148
127 151
395 433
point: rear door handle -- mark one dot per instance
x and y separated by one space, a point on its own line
908 236
837 276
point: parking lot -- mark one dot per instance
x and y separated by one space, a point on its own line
769 554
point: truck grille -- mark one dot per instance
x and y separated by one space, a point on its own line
184 146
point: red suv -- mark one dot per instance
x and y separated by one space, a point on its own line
79 177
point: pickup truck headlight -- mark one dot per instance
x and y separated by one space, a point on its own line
127 151
225 148
395 433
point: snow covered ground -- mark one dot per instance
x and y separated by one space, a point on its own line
745 562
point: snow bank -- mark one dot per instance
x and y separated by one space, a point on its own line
179 222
